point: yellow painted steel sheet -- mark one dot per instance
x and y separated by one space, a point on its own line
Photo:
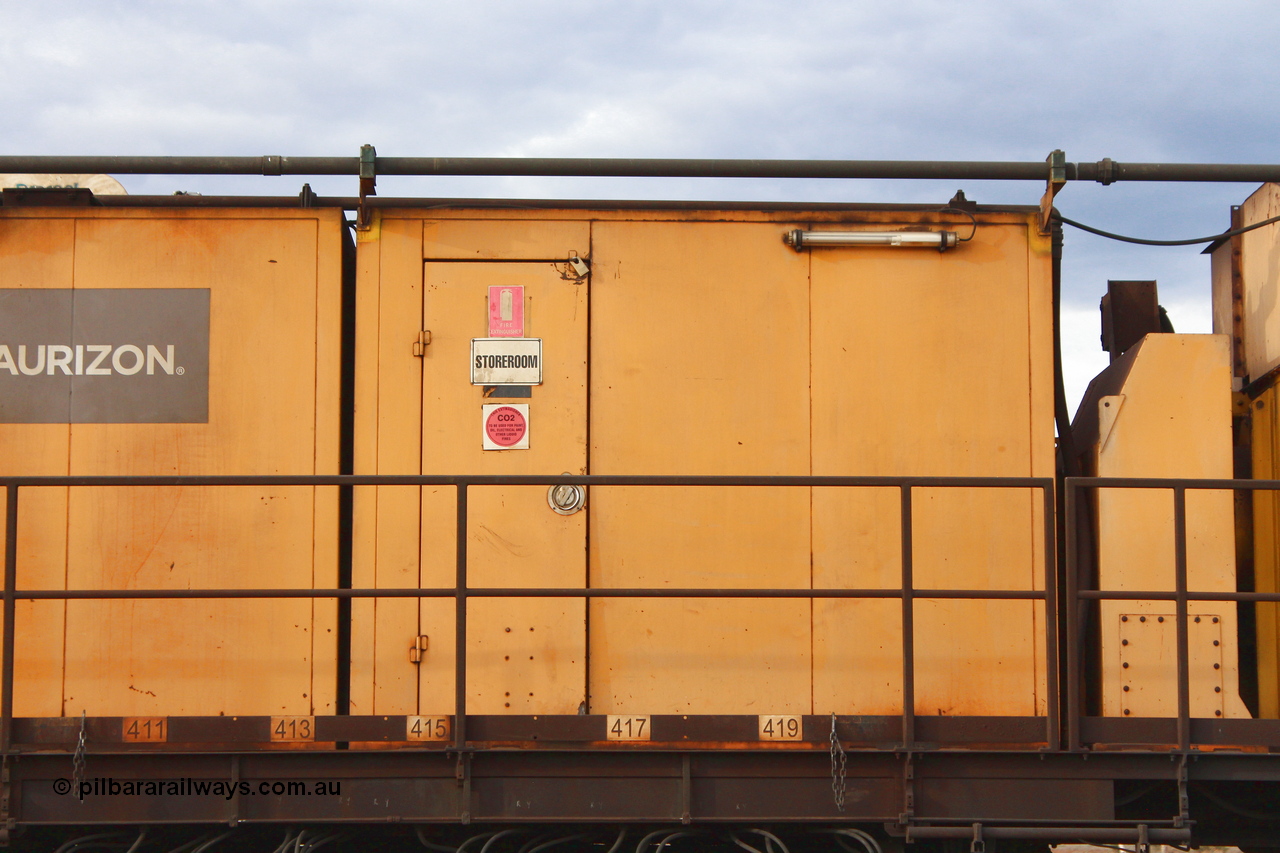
388 424
1246 305
1266 547
1260 278
274 280
1170 417
715 349
524 655
932 364
700 365
35 253
554 235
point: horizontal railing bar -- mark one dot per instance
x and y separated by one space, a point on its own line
534 592
519 592
532 480
1171 483
1167 595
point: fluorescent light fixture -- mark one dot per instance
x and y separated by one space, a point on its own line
940 240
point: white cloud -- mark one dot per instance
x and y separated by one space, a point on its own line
915 79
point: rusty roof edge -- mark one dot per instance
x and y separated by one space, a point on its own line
414 203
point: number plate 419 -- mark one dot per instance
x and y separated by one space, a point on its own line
780 727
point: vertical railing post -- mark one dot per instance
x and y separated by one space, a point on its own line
10 613
1051 673
1071 612
1180 587
460 624
908 626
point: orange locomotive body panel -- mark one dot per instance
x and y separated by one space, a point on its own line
269 282
698 343
677 342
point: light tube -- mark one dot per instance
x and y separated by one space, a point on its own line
940 240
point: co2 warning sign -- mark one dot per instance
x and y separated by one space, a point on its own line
506 426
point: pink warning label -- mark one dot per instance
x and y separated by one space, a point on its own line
506 311
505 426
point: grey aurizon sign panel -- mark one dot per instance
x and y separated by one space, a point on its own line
97 356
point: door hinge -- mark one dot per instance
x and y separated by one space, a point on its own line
421 344
418 649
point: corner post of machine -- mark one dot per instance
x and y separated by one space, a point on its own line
10 611
460 623
908 627
1180 587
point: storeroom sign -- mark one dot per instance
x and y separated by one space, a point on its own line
506 361
110 355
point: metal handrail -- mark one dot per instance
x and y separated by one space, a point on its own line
1074 490
1181 595
907 593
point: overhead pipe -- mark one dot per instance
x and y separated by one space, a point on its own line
1104 171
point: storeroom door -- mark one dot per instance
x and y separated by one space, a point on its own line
524 656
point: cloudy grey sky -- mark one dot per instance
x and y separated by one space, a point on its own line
1139 81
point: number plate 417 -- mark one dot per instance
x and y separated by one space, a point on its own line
627 728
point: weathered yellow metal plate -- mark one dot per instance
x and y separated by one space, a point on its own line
273 279
699 365
931 364
525 656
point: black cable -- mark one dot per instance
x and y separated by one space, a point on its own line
973 219
1142 242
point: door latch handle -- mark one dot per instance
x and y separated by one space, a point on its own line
566 499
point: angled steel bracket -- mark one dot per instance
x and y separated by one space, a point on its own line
1184 800
368 185
462 773
908 792
1057 161
307 198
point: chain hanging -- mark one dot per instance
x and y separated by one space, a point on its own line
77 761
838 763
